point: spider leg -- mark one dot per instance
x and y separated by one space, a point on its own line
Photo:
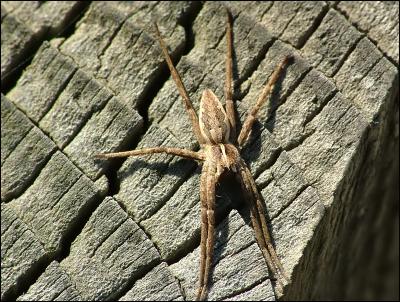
173 151
181 88
230 109
251 117
257 213
204 225
209 180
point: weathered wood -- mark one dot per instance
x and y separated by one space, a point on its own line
110 250
48 209
68 105
25 149
51 72
326 49
96 44
158 284
370 84
21 251
53 285
316 152
379 20
24 24
148 182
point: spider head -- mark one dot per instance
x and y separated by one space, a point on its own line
214 123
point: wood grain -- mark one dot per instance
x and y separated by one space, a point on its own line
321 152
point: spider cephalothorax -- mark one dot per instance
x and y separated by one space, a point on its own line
215 131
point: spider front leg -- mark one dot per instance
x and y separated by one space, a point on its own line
251 117
173 151
228 89
259 223
209 178
181 88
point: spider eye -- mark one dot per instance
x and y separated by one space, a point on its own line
214 123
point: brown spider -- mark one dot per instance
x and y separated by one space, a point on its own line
216 133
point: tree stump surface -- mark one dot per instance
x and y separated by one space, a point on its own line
80 79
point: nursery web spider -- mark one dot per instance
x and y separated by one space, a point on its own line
215 130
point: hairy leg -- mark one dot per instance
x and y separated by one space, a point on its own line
257 212
211 179
181 89
173 151
251 117
204 225
228 90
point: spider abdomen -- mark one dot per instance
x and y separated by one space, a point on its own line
214 123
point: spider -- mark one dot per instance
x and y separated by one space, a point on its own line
215 130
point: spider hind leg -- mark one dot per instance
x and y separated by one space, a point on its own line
259 224
209 180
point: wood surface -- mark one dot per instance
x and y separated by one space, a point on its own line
83 78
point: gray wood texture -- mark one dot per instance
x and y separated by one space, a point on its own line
324 152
